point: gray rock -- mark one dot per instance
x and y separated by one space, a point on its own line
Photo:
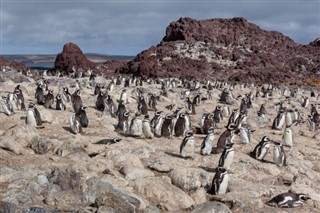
160 192
108 195
41 145
151 209
159 166
188 178
211 207
7 207
66 179
22 133
43 180
34 209
9 143
70 198
135 173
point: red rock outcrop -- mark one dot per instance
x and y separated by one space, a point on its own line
71 60
14 65
227 49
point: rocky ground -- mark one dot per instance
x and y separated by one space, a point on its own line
56 170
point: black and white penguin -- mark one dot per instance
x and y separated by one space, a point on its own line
108 141
110 86
146 127
225 111
305 102
279 121
18 96
76 101
262 109
66 94
245 134
142 106
123 122
207 143
33 116
279 156
40 95
156 123
75 125
100 101
226 157
111 106
187 145
124 96
170 107
226 136
288 200
206 122
217 114
261 148
97 89
167 126
136 126
7 106
287 136
83 117
49 99
121 109
197 99
188 105
59 103
233 117
219 182
179 127
152 103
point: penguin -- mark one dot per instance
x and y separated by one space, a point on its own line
206 122
226 157
197 99
66 94
18 94
152 103
226 136
305 102
49 99
233 117
262 109
126 83
33 117
217 114
83 117
167 126
287 137
288 200
142 106
108 141
97 89
100 102
207 143
146 127
288 118
225 111
76 101
245 134
124 96
279 121
188 105
156 123
121 110
39 95
59 103
261 148
75 124
187 145
111 106
179 127
110 86
7 106
170 107
219 182
136 126
187 123
123 122
279 156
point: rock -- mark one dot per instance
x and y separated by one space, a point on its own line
70 146
151 209
7 207
71 58
108 195
43 180
188 178
160 192
270 169
128 159
46 114
34 209
66 179
8 143
70 198
41 145
22 133
199 196
135 173
159 166
211 207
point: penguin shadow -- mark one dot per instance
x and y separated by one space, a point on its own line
208 169
263 160
172 154
67 128
23 117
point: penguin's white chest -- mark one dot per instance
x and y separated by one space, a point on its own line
228 160
224 184
147 130
264 151
136 127
208 145
287 137
244 136
188 149
31 119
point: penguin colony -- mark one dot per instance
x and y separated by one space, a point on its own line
177 119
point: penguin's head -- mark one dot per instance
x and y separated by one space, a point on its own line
304 197
116 140
265 139
126 114
211 129
146 116
59 96
182 115
277 143
83 108
221 170
158 113
189 133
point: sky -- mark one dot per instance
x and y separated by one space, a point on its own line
127 27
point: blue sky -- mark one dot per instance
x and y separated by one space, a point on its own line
128 27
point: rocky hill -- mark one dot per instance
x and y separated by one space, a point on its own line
227 49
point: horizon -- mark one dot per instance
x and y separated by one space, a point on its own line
39 27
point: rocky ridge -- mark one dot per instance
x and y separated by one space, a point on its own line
227 49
